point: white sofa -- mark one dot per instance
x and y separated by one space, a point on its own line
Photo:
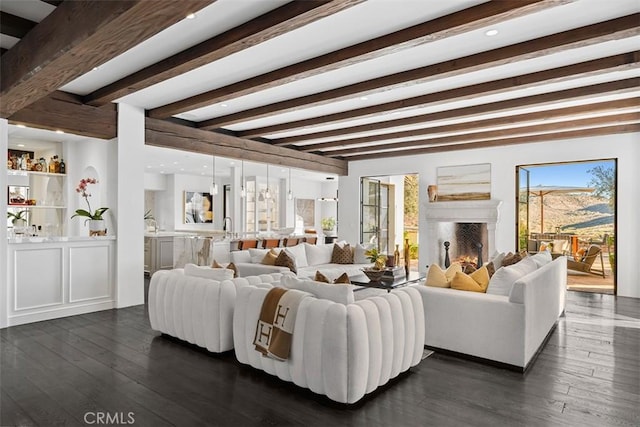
196 309
343 350
506 329
309 259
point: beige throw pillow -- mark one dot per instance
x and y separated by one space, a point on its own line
439 278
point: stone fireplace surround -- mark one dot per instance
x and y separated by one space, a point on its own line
472 211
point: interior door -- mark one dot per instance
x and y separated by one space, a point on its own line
523 208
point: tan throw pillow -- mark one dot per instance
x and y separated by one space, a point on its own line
233 267
284 260
491 269
216 265
511 259
468 269
342 255
343 279
270 258
319 277
478 281
439 278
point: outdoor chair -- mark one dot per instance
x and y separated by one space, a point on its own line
585 265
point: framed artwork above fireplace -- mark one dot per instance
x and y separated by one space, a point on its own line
466 182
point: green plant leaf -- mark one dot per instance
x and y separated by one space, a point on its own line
81 212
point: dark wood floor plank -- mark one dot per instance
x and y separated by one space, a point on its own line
52 372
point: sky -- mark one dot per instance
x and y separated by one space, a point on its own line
569 174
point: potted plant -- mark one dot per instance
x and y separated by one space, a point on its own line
328 223
95 219
378 259
18 218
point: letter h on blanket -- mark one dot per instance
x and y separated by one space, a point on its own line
277 320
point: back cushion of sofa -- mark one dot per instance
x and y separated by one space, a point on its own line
359 256
504 278
318 254
240 256
542 258
298 252
218 274
342 294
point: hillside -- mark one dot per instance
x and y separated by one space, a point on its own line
583 214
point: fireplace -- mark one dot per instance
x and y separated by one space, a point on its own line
464 224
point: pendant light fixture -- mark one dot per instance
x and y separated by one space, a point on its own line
290 193
214 187
243 192
267 193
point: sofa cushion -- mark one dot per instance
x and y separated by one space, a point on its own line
285 259
504 278
542 258
240 256
318 254
560 246
359 256
299 255
257 255
474 282
439 278
336 293
218 274
497 259
342 255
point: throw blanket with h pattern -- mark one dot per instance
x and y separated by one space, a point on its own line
277 319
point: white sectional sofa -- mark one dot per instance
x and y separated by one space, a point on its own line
309 259
508 329
196 309
343 349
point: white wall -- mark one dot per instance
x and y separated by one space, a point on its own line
624 147
4 144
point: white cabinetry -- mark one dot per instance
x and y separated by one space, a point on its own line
158 253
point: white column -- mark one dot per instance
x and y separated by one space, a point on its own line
130 207
4 294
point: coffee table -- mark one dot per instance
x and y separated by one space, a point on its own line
363 281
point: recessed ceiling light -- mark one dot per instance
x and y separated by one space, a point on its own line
148 166
60 131
95 69
232 163
491 33
161 165
175 163
191 16
22 126
181 169
161 171
205 166
223 105
364 98
20 145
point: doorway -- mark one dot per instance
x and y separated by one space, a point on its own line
570 209
389 214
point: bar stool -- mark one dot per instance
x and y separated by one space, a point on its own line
247 244
270 243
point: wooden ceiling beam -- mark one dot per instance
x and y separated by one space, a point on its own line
620 86
66 112
74 38
580 37
548 137
569 72
15 26
265 27
163 133
591 122
599 108
440 28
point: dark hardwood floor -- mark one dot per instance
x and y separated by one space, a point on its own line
111 362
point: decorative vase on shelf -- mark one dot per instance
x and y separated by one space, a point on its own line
396 256
432 191
97 227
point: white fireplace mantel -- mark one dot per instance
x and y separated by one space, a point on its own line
472 211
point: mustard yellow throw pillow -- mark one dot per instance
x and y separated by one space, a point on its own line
270 258
439 278
478 281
